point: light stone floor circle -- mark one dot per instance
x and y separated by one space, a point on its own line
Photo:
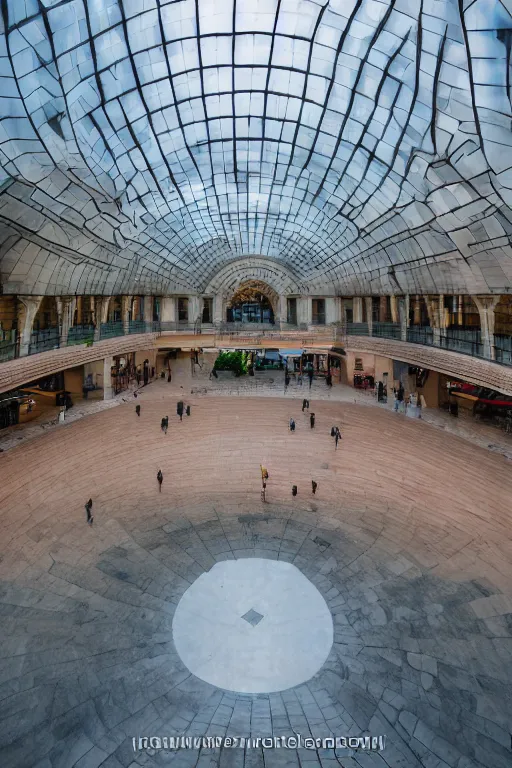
253 626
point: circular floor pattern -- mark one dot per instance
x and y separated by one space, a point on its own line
253 626
408 540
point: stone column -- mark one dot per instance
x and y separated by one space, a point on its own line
486 306
108 362
168 309
126 305
101 307
394 309
148 312
193 309
282 316
383 309
29 307
357 309
434 315
66 306
417 310
369 314
218 305
403 314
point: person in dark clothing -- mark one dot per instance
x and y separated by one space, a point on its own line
328 380
337 436
310 377
312 420
179 410
160 479
380 392
162 424
166 424
169 375
187 410
137 410
88 507
333 431
294 490
304 404
314 486
292 425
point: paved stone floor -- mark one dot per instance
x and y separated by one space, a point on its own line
408 540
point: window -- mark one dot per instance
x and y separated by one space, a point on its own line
318 311
207 316
182 310
291 311
156 309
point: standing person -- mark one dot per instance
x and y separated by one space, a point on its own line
380 392
310 377
337 436
328 380
294 490
179 410
312 420
138 375
304 404
137 410
169 375
88 507
286 379
314 486
292 425
166 424
187 410
160 478
396 405
162 424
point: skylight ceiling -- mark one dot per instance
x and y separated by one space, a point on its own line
366 145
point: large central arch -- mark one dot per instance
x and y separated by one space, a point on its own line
280 280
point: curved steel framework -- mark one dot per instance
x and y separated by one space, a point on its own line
366 144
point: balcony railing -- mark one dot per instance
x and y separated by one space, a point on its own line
43 341
467 341
80 334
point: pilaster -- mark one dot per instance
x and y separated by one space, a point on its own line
357 309
29 307
486 306
66 306
369 314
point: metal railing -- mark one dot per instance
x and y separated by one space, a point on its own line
80 334
43 341
387 330
464 340
8 350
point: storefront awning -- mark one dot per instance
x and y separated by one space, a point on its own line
291 352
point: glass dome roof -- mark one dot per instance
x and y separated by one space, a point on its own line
363 144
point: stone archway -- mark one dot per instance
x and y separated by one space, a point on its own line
253 290
280 281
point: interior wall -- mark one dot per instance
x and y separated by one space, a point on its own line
74 380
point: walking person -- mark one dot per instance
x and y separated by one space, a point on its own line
137 410
304 404
160 478
312 420
292 425
88 507
314 486
310 377
166 424
169 375
337 436
179 410
286 380
294 490
187 410
162 424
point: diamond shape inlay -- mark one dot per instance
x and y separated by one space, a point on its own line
252 617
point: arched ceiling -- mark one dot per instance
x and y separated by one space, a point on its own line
363 144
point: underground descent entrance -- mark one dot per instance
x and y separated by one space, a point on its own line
253 626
